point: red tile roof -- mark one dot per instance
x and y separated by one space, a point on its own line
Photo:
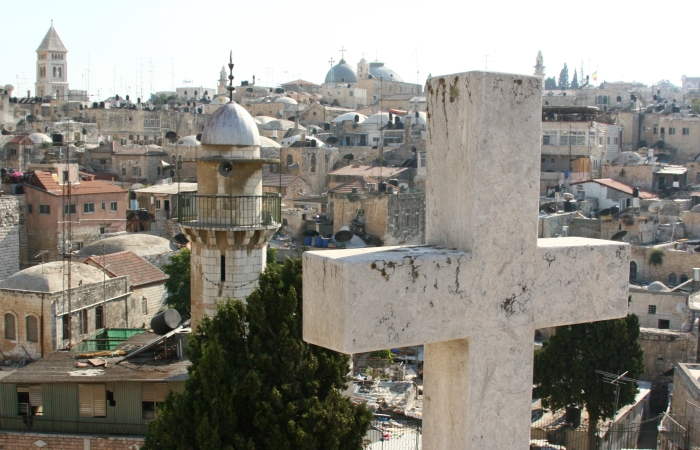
620 186
372 171
46 181
21 140
129 263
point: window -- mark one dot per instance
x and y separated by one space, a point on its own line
683 278
673 279
290 160
102 230
572 138
157 204
600 141
663 130
32 329
65 320
69 209
113 206
313 163
552 160
103 206
686 131
44 209
123 171
13 151
656 129
633 270
99 317
29 208
408 217
423 160
671 130
152 398
10 327
549 138
88 208
652 309
223 268
92 400
158 170
664 324
609 141
144 305
30 400
83 315
136 171
103 161
65 176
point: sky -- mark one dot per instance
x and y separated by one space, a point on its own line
134 47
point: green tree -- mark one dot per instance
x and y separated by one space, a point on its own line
565 367
254 384
696 106
656 257
550 83
574 81
564 78
178 283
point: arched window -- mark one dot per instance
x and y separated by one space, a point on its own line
313 163
290 161
672 279
683 278
10 327
54 72
32 329
633 270
60 72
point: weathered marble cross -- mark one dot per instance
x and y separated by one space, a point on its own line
476 294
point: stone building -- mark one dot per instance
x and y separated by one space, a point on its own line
93 207
161 203
664 349
131 163
229 220
380 82
679 259
289 186
674 134
13 234
35 303
154 249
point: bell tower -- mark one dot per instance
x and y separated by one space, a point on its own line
229 220
52 67
539 65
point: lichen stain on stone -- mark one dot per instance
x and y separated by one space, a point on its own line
518 81
549 258
508 304
454 91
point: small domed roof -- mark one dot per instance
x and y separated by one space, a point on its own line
287 100
658 286
341 73
190 141
220 100
380 118
231 125
50 277
262 120
266 142
281 124
39 138
288 141
349 116
420 120
377 69
139 243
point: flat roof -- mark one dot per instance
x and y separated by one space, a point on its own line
168 188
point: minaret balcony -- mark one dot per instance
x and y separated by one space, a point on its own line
230 212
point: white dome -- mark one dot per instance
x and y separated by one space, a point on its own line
377 119
349 117
220 100
189 141
262 120
231 125
281 125
50 277
266 142
39 138
287 142
286 100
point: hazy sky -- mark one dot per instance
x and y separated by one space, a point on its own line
152 44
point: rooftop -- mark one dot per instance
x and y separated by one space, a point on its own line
52 42
139 243
49 277
371 171
168 188
129 263
275 179
619 186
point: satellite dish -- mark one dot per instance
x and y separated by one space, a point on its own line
226 169
343 235
39 117
9 127
568 196
681 308
294 167
618 236
655 207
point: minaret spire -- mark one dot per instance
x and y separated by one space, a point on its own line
230 87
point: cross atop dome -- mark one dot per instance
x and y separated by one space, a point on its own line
342 52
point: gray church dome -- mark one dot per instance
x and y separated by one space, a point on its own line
341 73
231 125
50 277
377 69
142 244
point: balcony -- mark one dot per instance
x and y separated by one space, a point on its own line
246 212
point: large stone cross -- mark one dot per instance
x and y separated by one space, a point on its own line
475 295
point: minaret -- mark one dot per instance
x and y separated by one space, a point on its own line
52 67
221 88
539 65
229 220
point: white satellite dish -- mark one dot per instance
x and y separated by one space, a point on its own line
655 207
9 127
681 308
39 117
568 196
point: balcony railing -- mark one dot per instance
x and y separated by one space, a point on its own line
223 211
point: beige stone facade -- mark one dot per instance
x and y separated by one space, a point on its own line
664 349
16 440
677 264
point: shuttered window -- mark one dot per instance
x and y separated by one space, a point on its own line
30 398
10 333
152 396
92 400
32 329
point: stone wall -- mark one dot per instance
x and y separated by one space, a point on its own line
640 230
552 225
678 262
663 349
11 440
685 389
11 231
407 224
664 307
589 228
638 175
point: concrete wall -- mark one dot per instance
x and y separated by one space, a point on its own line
590 228
552 225
686 389
663 349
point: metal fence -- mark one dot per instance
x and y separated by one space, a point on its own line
394 432
226 211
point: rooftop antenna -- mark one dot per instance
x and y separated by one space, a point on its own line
230 87
486 62
617 381
415 53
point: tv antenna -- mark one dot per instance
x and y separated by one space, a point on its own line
415 53
486 62
617 381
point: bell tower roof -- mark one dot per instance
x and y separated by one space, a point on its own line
52 42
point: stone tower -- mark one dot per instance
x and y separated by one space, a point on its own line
539 65
363 69
51 66
229 220
221 88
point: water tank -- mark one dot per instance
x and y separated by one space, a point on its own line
165 322
382 186
614 209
